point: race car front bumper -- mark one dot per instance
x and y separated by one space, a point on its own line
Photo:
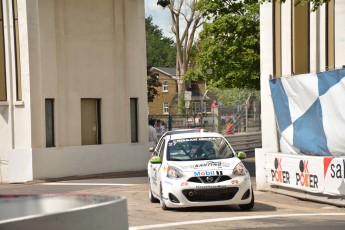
181 193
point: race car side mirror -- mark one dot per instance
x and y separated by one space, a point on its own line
151 149
241 155
156 160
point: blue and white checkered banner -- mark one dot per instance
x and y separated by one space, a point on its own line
310 112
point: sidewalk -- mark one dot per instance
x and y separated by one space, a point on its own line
141 173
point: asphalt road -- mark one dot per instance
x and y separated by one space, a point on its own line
271 211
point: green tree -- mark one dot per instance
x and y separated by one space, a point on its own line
235 96
229 47
152 84
315 3
160 50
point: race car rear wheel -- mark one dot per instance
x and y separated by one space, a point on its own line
151 197
249 206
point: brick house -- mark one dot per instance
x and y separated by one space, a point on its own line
167 93
166 100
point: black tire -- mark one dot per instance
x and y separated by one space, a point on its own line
161 201
249 206
152 199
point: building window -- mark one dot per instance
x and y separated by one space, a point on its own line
196 106
17 50
165 108
3 94
134 119
203 107
330 48
300 38
49 112
165 86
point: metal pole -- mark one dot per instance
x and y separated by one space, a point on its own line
245 129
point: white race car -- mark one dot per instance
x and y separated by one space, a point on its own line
190 168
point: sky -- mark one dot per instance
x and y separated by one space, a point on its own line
160 16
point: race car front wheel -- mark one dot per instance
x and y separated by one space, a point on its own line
249 206
152 199
162 203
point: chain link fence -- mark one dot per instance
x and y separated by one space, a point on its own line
224 120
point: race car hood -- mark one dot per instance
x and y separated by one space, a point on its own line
223 164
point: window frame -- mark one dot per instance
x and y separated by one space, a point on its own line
165 87
165 108
196 106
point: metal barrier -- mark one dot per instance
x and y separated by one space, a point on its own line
246 142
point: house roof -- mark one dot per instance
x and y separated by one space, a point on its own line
171 71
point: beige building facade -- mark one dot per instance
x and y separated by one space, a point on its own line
72 88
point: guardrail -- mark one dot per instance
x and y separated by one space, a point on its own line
246 142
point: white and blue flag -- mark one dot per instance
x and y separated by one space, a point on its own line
310 112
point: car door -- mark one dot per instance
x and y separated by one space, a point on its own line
156 170
152 167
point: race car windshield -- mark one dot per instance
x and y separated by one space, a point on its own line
205 148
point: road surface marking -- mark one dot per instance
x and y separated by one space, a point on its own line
231 219
86 184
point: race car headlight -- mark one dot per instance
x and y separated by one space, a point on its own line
174 172
239 169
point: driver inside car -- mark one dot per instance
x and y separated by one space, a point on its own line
209 150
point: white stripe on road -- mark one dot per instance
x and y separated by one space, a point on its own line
86 184
231 219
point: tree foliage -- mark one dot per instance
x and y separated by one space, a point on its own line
229 50
160 50
152 84
315 3
234 96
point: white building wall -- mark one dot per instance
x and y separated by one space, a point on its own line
286 37
322 37
15 130
136 50
5 111
269 134
72 50
339 33
314 41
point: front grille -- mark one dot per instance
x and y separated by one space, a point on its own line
205 195
206 179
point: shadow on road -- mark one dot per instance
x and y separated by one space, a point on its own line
259 207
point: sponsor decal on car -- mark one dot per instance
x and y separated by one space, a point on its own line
168 182
184 184
210 186
208 173
218 164
234 181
